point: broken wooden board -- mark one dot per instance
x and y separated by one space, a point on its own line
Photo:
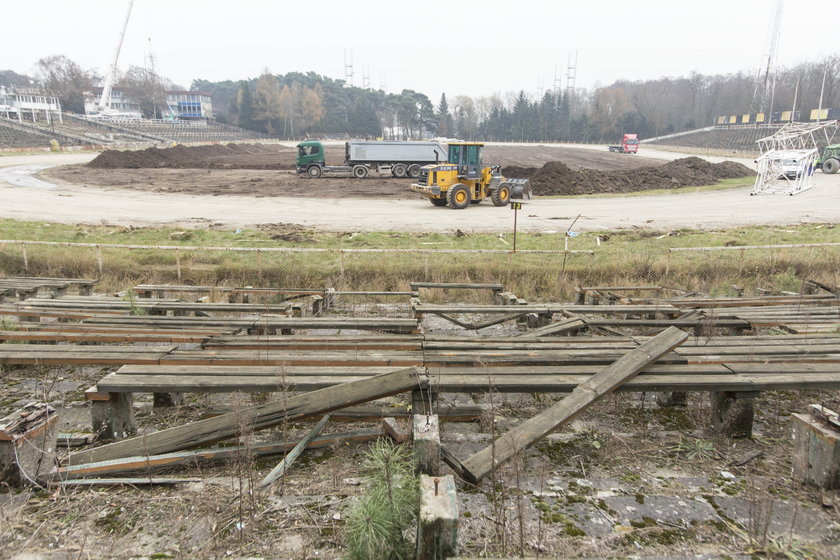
259 417
203 456
287 462
532 430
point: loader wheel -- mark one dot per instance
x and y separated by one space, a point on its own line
438 201
313 171
414 171
500 196
360 171
831 165
398 171
458 196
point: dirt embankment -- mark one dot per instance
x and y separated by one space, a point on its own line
217 156
556 178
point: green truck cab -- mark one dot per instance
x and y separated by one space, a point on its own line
309 152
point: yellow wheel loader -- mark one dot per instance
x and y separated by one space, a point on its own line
464 180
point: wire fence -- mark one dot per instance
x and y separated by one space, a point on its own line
540 275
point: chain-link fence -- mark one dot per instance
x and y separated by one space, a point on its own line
538 275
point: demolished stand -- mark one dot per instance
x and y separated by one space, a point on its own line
27 444
607 380
259 417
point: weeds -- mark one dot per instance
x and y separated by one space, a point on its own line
693 449
379 525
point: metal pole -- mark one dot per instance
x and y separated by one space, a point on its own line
822 90
515 214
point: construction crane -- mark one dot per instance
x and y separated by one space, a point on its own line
765 81
105 100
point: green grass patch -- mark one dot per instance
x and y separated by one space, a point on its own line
624 257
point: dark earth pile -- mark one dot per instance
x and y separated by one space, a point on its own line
555 177
216 156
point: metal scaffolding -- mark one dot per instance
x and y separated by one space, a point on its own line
787 160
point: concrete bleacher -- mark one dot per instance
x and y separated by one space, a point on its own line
17 137
79 131
187 132
735 138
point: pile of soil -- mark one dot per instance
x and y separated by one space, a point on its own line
556 178
216 156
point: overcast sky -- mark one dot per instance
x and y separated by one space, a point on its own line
459 46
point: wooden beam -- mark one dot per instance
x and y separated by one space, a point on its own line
532 430
292 455
184 458
204 432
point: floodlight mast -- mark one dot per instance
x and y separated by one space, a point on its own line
105 99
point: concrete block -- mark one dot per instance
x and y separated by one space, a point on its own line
437 527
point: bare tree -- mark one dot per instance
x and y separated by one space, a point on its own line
65 79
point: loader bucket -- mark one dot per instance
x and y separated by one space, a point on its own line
519 188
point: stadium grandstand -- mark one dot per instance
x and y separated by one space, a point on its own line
740 133
30 118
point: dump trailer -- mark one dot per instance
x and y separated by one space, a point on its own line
629 145
463 179
400 159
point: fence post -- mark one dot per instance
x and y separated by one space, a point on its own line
99 259
25 259
178 264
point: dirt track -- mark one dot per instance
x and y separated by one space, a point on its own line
116 204
215 170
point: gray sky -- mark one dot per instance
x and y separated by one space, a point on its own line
458 46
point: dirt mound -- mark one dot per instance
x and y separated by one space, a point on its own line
215 156
556 178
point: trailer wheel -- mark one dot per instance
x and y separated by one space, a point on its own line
413 170
313 171
830 166
458 196
360 171
438 201
398 171
500 196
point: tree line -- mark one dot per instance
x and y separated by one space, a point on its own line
297 104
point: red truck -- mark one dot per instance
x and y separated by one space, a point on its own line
629 145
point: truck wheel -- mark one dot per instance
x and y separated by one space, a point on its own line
398 171
360 171
831 165
414 171
458 196
438 201
500 196
313 171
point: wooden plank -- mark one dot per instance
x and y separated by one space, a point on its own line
259 417
454 285
142 481
555 328
186 458
532 430
290 458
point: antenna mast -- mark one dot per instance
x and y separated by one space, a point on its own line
105 100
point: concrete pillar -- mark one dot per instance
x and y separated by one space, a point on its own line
816 452
113 419
426 430
166 400
437 526
732 413
672 399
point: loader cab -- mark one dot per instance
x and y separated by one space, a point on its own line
467 156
